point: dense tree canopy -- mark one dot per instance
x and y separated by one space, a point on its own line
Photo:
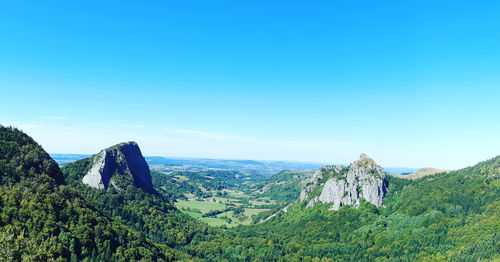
42 219
46 214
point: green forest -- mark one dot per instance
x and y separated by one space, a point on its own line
48 214
44 219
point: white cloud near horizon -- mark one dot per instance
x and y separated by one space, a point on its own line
53 117
90 138
248 139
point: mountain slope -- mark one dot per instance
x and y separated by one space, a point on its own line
283 187
448 217
142 209
42 219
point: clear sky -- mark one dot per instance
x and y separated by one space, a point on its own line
410 83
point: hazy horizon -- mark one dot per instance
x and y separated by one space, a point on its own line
62 159
406 83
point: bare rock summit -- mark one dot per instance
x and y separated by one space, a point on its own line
341 185
119 166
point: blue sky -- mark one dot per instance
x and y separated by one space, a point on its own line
410 83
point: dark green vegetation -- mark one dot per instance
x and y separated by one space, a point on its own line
454 217
43 219
219 198
202 184
230 198
148 213
282 187
44 214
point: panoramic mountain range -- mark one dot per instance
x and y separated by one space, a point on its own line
158 163
250 131
112 207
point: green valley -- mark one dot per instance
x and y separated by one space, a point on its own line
250 131
102 209
222 198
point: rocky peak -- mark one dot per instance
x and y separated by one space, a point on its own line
119 165
366 161
346 186
363 156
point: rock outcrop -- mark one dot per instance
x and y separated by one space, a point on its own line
316 179
119 165
346 186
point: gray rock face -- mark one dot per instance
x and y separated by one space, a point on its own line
317 177
119 165
313 185
365 179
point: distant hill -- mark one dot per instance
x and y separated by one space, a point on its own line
426 171
169 164
164 164
248 166
63 159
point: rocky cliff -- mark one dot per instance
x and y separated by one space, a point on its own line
119 165
341 185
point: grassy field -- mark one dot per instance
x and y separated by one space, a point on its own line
262 201
213 221
249 212
239 204
203 206
190 207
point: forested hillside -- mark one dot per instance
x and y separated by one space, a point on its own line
150 213
46 214
443 217
42 219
